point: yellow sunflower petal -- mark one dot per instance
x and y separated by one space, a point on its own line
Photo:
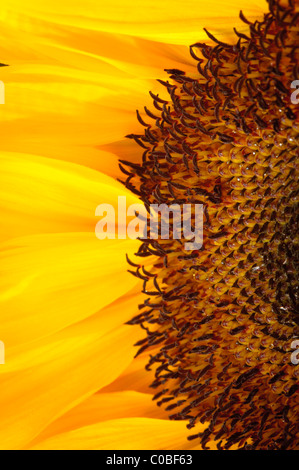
173 22
91 50
65 113
104 407
123 434
50 281
69 366
134 377
41 195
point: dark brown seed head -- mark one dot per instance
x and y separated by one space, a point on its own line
220 321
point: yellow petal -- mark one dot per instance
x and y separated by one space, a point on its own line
134 377
44 195
92 50
61 372
51 281
104 407
65 113
174 22
124 434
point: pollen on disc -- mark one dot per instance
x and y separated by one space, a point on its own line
219 322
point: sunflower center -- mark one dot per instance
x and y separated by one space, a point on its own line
221 321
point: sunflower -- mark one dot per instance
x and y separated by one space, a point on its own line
216 354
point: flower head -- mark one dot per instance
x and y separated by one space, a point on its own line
220 321
217 321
